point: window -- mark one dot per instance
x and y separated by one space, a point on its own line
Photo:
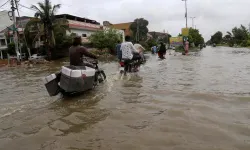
84 35
2 42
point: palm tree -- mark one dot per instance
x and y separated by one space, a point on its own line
46 13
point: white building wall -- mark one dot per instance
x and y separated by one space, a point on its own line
80 32
4 20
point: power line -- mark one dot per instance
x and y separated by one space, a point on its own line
26 7
4 4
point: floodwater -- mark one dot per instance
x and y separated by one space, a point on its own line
196 102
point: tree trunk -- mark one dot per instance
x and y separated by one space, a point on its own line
53 38
46 41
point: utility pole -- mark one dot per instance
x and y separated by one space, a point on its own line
15 37
186 12
193 21
137 31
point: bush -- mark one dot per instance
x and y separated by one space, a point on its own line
151 43
248 43
179 48
105 39
243 43
231 43
11 49
145 45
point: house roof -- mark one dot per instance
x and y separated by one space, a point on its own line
72 17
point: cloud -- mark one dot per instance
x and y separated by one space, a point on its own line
211 15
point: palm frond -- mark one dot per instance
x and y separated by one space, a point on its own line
35 7
55 8
42 6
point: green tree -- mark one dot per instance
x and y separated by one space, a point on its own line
139 25
34 29
217 37
151 43
46 13
239 36
165 38
107 38
195 37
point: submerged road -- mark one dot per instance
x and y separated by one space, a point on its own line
196 102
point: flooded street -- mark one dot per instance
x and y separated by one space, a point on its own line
196 102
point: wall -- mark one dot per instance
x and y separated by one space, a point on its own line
123 26
4 20
79 32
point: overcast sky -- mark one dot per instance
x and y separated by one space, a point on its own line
168 15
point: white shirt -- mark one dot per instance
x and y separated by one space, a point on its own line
127 50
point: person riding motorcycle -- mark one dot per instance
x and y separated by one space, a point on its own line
129 52
76 52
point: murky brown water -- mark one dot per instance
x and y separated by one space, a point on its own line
199 102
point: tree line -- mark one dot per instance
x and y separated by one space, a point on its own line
239 36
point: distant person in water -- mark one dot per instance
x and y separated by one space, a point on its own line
186 47
154 49
162 51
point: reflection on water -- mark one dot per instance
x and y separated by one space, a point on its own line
196 102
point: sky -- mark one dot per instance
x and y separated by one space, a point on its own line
169 15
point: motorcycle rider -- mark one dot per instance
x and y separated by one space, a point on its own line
129 52
76 52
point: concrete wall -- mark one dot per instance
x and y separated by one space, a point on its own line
123 26
4 20
79 32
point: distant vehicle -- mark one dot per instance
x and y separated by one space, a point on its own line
36 57
214 45
172 47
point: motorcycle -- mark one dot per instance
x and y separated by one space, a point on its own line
74 79
129 66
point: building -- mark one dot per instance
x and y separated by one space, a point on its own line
158 35
80 26
121 26
4 22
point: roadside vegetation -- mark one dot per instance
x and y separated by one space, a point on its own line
238 37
